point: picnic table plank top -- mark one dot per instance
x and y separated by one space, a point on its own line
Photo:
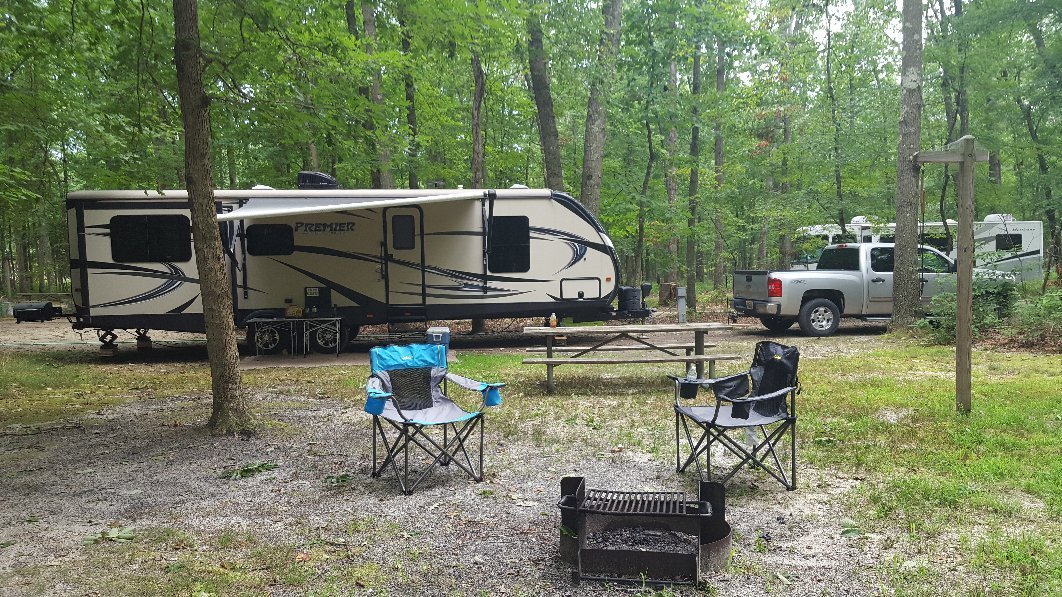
603 361
619 329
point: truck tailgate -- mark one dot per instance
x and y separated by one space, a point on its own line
750 284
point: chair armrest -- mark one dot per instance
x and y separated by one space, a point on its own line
731 385
376 397
490 390
762 397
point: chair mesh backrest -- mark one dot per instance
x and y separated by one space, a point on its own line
774 367
412 388
413 373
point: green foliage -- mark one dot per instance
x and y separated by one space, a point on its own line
1038 320
248 470
113 534
994 300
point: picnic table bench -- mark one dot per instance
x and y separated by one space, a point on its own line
639 337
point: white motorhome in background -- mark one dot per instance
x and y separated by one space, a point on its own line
1000 242
366 256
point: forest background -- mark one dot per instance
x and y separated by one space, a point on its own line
717 128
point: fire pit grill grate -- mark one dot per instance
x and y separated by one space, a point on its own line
634 502
639 536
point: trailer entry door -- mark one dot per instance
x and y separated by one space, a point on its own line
404 263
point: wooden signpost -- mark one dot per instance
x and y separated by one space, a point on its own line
965 153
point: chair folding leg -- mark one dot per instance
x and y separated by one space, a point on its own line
750 456
441 454
755 455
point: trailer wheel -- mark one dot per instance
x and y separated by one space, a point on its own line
777 324
819 317
267 340
325 339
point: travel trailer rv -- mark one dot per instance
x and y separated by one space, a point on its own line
359 257
1000 242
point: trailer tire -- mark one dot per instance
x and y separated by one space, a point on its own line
777 324
819 317
270 340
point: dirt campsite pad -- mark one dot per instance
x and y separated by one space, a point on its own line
137 498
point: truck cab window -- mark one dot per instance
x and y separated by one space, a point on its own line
933 263
151 239
882 259
270 239
846 258
510 244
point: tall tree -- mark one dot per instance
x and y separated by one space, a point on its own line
695 175
382 177
547 122
719 158
479 82
596 112
230 413
906 290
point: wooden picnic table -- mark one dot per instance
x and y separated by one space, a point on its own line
639 337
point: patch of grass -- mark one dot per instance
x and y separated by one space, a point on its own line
248 470
37 387
1029 564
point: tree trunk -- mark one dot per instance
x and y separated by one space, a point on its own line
1054 248
230 412
836 153
906 287
643 197
382 178
695 175
671 173
5 258
718 271
600 84
411 104
479 164
547 121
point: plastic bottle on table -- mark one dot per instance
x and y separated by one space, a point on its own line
552 320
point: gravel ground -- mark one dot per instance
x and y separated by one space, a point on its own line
150 465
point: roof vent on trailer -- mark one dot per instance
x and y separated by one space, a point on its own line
316 180
860 220
999 218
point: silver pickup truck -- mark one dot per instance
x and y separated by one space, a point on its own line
852 280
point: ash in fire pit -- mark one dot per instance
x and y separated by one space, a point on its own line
642 536
643 539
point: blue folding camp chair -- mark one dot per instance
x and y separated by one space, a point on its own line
407 390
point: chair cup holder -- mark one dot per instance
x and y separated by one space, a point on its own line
493 396
688 388
375 406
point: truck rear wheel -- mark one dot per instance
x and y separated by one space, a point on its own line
819 317
777 324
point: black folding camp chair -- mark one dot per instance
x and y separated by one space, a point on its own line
412 413
762 398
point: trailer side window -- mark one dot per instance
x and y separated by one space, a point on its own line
1008 242
270 239
510 244
141 239
403 232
